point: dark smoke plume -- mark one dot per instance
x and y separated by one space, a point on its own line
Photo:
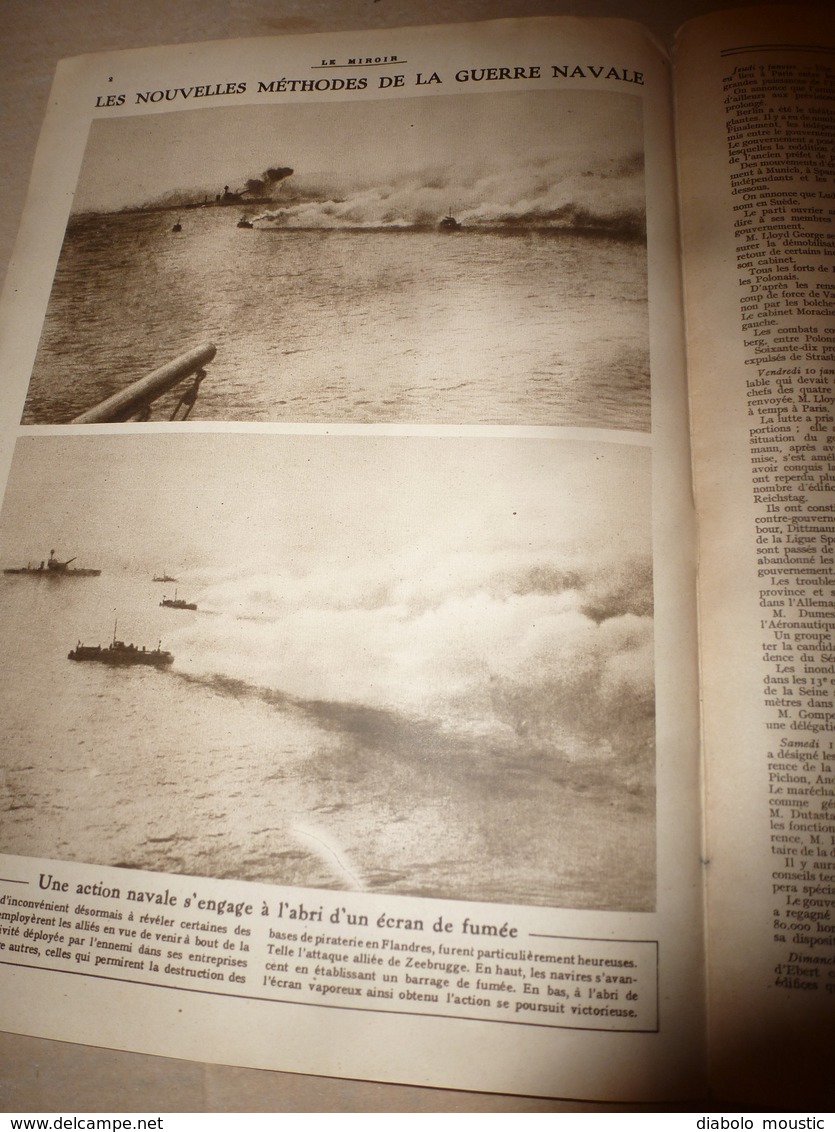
260 186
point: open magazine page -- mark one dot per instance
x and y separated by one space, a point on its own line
350 721
758 185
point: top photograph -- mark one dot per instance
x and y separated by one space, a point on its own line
468 260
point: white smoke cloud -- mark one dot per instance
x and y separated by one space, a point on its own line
537 193
491 644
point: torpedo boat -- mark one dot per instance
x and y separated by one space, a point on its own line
121 655
177 603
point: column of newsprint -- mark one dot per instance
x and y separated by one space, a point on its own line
781 157
756 123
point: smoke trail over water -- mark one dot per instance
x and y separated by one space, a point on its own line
525 653
542 193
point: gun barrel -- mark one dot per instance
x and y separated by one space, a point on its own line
142 393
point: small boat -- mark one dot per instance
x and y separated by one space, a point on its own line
163 577
120 655
177 227
244 223
54 568
177 603
449 224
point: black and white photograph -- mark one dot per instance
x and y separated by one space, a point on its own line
403 665
477 259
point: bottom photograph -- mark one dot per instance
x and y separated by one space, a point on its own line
402 665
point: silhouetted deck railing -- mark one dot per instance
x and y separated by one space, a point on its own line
134 401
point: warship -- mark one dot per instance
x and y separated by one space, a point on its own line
119 654
54 568
177 603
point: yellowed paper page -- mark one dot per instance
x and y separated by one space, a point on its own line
756 132
348 565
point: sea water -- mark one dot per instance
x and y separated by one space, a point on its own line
202 768
335 325
192 769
